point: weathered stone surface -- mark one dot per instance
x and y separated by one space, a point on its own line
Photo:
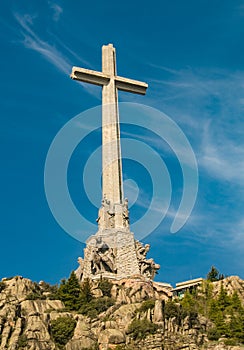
152 342
112 187
17 329
29 321
36 307
137 289
124 315
82 343
158 312
111 336
224 347
36 329
16 289
230 284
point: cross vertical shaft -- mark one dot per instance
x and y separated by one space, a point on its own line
111 151
114 210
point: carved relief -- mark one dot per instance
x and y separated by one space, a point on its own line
148 267
102 258
79 270
125 213
106 214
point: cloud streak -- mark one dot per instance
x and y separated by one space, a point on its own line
31 40
209 106
223 159
34 42
57 10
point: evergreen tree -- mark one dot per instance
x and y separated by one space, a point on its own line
235 301
105 287
70 292
86 291
188 302
206 294
213 274
223 299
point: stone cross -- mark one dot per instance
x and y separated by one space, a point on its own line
112 183
112 252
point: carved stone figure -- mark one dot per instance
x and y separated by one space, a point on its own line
141 250
106 214
79 270
125 213
102 258
148 267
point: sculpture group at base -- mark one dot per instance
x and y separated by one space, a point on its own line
103 260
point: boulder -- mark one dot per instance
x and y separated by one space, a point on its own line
158 311
111 336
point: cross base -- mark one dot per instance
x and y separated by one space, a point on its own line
115 254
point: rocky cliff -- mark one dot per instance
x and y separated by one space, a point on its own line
27 314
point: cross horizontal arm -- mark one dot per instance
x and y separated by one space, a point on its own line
89 76
129 85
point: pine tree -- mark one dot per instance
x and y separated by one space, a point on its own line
188 302
235 301
105 285
206 294
213 274
70 292
86 291
223 299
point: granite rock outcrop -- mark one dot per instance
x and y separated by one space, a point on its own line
25 323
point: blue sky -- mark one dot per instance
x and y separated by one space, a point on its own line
191 54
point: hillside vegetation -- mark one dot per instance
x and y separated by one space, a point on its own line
124 315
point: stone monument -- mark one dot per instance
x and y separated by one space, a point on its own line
113 251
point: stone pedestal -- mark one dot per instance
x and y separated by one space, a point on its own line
110 253
115 254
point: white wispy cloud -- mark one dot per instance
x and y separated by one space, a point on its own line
222 158
149 139
59 59
208 103
32 41
57 10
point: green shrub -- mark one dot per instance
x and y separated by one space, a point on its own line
35 296
96 306
86 291
146 305
105 287
231 342
62 330
193 316
189 302
171 309
48 288
36 293
213 334
22 341
139 329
